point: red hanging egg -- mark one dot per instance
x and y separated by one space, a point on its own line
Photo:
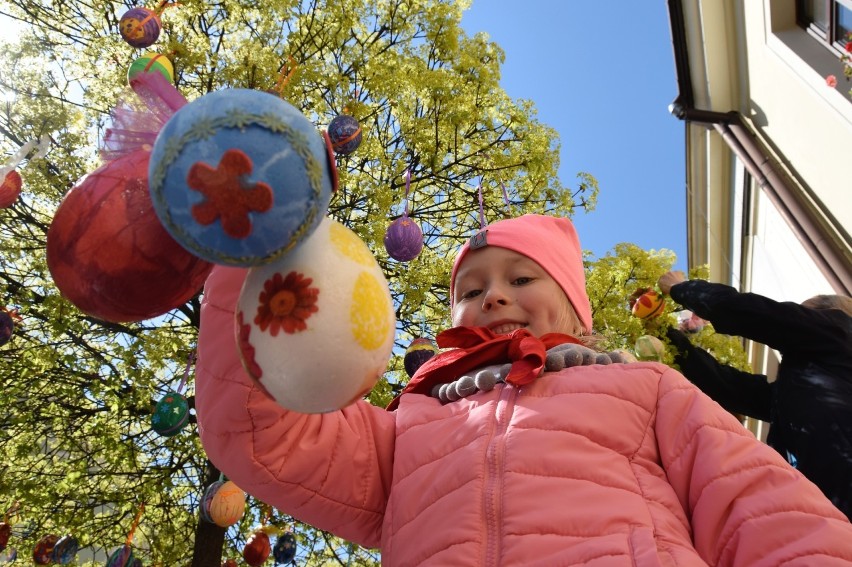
7 327
43 552
5 532
11 189
403 239
229 563
108 253
257 549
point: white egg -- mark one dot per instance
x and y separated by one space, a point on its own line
316 327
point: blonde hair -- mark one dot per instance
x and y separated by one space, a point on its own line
840 302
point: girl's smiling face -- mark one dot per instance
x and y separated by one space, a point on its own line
504 291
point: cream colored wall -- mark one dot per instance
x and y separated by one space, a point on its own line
789 103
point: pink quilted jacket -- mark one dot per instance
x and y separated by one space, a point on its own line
594 465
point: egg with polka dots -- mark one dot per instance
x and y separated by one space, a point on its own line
315 329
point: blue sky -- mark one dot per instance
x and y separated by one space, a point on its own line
602 75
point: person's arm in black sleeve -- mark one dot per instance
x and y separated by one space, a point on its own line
735 390
782 325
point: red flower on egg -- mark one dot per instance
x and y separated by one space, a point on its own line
286 303
246 348
229 196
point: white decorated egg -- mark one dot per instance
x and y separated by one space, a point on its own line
316 327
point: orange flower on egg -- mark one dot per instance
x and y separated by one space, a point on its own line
286 303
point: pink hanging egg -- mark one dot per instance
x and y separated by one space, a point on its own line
108 253
11 189
403 239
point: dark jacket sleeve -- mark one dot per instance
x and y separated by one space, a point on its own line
735 390
783 325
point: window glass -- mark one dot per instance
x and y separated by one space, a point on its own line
844 23
816 13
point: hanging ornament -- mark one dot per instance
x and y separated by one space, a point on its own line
42 553
171 414
240 177
345 134
419 351
109 255
688 322
646 303
230 563
5 532
123 555
7 324
11 189
223 503
285 548
649 348
257 548
65 550
140 27
404 239
329 295
151 63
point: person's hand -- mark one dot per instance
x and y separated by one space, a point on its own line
670 279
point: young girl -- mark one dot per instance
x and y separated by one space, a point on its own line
517 447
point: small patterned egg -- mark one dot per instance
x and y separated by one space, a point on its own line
285 548
152 63
42 554
257 549
140 27
170 415
345 134
419 351
648 304
10 190
65 550
223 503
240 177
316 328
121 557
403 239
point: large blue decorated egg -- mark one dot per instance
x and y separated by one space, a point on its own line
240 177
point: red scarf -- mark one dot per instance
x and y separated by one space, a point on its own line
475 347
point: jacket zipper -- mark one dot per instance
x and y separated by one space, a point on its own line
494 466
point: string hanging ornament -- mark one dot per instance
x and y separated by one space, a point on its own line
123 555
258 548
140 27
223 503
12 183
479 191
404 239
171 414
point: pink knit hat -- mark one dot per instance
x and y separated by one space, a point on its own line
551 242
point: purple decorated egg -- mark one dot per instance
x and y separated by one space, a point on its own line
403 239
419 351
240 177
140 27
121 557
7 327
345 134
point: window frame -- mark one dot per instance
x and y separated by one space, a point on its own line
825 37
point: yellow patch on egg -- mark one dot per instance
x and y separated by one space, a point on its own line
347 243
368 315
